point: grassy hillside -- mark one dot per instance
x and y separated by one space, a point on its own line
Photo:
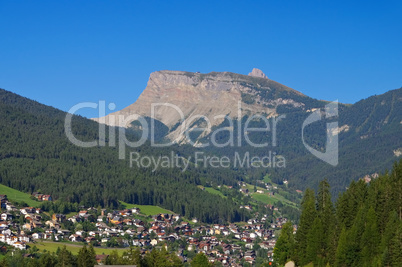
264 198
74 248
212 191
146 209
17 196
267 199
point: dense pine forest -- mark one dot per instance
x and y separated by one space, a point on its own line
362 228
36 156
371 132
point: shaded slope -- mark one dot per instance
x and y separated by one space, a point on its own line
35 155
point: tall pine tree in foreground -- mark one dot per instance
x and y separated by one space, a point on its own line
341 252
285 245
370 239
306 222
86 257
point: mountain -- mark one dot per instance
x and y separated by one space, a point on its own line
37 156
197 109
212 96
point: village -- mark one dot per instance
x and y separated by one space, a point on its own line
230 244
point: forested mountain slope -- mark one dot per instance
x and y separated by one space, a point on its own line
370 136
370 131
35 155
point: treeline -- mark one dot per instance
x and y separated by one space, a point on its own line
364 228
87 258
36 156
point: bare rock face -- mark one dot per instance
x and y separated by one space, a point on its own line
257 73
180 98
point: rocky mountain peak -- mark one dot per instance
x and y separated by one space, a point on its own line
179 97
257 73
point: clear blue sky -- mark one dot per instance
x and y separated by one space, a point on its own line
64 52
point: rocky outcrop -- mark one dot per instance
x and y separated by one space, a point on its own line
178 97
257 73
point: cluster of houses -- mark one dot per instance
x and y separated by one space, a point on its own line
229 252
243 188
219 242
17 239
42 197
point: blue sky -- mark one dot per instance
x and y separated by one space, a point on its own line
61 53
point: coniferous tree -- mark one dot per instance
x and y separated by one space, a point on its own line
354 237
284 248
200 260
370 239
86 257
326 214
314 240
65 258
333 237
389 233
113 258
364 230
47 260
395 248
162 258
132 257
307 217
341 251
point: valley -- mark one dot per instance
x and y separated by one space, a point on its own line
123 200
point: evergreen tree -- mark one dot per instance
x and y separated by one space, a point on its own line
364 230
113 259
370 239
86 257
341 251
65 258
47 260
354 237
200 260
284 248
389 233
395 248
314 239
132 257
326 214
333 238
161 258
307 217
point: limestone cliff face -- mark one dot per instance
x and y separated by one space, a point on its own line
174 97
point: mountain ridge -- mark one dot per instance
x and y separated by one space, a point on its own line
213 96
367 129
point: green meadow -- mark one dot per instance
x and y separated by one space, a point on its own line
146 209
74 248
18 196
